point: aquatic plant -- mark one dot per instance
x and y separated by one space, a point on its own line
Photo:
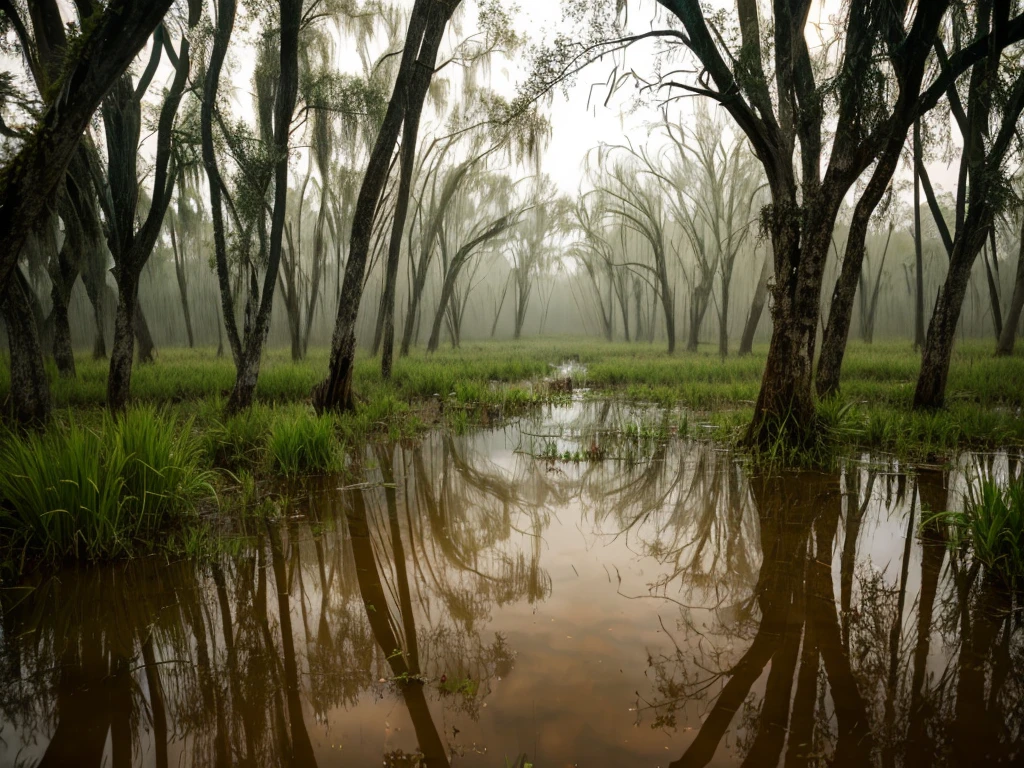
98 493
991 526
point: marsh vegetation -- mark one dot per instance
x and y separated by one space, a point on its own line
468 383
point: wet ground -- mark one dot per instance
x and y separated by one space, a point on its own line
475 601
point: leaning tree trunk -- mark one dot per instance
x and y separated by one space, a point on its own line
408 158
426 29
938 347
756 308
446 296
837 330
1013 312
30 389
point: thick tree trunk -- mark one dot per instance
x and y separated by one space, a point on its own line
938 348
63 352
785 405
30 389
756 308
119 377
1013 312
427 24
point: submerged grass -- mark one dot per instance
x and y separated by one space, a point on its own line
95 493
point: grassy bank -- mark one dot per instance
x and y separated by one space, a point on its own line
484 379
93 487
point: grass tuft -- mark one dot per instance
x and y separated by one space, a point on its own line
98 493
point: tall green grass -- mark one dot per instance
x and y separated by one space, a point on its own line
99 493
991 525
305 444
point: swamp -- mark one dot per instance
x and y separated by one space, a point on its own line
430 383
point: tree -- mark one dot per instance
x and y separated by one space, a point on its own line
427 23
530 247
76 79
875 85
482 213
277 93
131 247
636 199
988 122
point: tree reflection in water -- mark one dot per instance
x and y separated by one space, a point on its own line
794 619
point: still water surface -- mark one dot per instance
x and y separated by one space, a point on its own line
468 604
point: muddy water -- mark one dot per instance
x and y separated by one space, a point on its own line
471 604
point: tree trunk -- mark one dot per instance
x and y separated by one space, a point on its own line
723 324
120 374
837 330
938 348
410 132
221 38
785 405
918 247
427 24
991 275
412 316
756 308
248 368
142 334
446 295
63 352
30 389
179 272
1013 312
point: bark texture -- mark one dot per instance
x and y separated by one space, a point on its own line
427 24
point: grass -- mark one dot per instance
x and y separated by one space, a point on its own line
94 487
87 493
484 381
305 444
991 526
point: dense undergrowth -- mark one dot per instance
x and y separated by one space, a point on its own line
93 486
